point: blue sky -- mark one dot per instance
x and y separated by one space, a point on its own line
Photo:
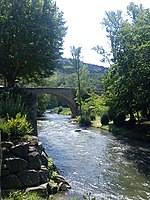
83 19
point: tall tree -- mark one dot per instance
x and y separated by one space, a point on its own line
75 52
31 38
128 81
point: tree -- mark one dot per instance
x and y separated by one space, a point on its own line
76 62
128 80
31 37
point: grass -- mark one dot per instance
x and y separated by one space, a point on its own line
19 195
139 132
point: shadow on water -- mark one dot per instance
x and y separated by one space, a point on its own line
138 152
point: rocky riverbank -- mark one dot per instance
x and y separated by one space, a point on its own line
26 166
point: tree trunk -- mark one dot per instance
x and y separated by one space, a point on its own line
132 118
10 81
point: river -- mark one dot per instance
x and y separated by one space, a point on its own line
95 161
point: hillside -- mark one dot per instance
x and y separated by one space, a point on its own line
67 67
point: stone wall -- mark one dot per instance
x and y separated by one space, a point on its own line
25 166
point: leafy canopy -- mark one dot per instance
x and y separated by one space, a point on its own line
127 84
31 38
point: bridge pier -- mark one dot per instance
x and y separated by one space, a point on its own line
32 116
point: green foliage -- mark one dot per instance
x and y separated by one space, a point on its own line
43 102
84 120
11 103
119 120
59 109
15 127
104 119
53 102
31 39
127 83
19 195
64 111
52 168
4 129
95 104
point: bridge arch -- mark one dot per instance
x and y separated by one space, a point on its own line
65 94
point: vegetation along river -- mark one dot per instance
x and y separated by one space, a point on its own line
107 166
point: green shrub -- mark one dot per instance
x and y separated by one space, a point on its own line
119 120
60 109
52 168
11 103
92 116
104 119
84 120
18 195
15 127
4 129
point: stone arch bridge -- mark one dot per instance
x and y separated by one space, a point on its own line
67 95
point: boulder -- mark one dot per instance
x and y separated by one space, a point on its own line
6 153
6 144
43 190
16 164
11 181
44 174
5 172
40 147
63 185
20 150
34 160
60 179
34 141
29 178
31 149
44 159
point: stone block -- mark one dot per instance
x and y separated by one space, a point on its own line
43 190
21 150
44 159
16 164
29 178
34 161
44 174
6 144
11 181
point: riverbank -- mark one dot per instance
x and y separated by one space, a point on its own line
139 132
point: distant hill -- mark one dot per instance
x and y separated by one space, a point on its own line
67 67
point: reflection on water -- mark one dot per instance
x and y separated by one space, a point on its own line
96 162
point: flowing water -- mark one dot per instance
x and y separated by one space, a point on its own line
96 162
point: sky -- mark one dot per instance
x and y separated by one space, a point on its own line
83 19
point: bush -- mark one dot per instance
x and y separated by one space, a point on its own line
119 120
104 119
60 109
4 129
12 102
19 195
52 168
84 120
92 116
15 128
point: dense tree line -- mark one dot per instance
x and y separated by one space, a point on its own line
127 84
